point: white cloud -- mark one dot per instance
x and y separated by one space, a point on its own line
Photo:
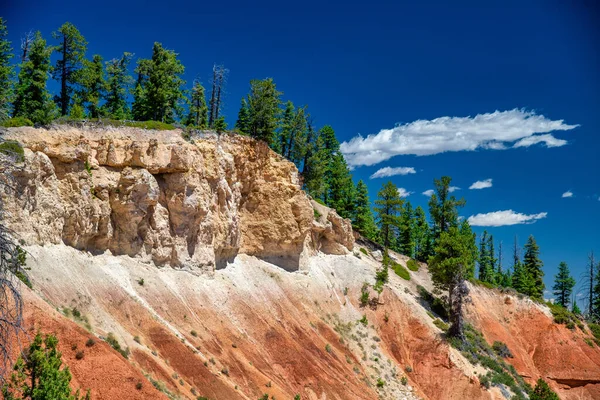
453 189
515 128
388 171
503 218
403 192
484 184
568 193
429 192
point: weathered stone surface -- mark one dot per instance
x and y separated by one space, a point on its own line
153 195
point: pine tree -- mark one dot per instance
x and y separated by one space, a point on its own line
543 392
285 129
363 219
198 112
451 265
117 87
140 107
6 72
406 233
40 376
493 260
32 98
263 108
486 273
575 310
315 171
220 125
72 46
533 265
243 121
297 145
388 206
563 285
421 235
468 237
92 85
595 314
341 188
443 207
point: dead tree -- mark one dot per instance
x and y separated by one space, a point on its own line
217 93
26 41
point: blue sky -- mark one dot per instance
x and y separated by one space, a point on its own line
370 66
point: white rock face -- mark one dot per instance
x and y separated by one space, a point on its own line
152 195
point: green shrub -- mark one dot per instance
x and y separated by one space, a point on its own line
364 251
589 342
141 281
194 333
441 324
114 343
543 392
14 149
412 265
316 213
79 355
400 271
364 320
138 386
502 350
595 329
328 348
404 380
137 339
16 122
364 295
562 315
436 304
380 383
24 278
90 342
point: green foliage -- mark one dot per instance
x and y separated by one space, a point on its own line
32 99
533 265
487 271
440 324
118 82
16 122
543 392
453 259
562 315
92 86
13 149
563 285
41 375
242 125
400 271
404 380
406 231
421 236
443 207
502 349
220 125
412 265
328 348
436 304
364 295
363 220
6 72
198 110
388 206
380 383
364 251
341 188
114 343
71 46
263 108
575 309
364 320
159 90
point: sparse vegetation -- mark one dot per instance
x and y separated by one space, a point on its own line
138 386
412 265
114 343
194 333
502 349
14 149
137 339
364 295
404 380
440 324
364 251
79 355
380 383
400 270
328 348
16 122
364 320
140 281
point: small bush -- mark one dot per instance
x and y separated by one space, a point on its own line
364 320
114 343
225 371
364 295
194 333
138 386
412 265
484 381
595 329
90 342
440 324
364 251
328 348
14 149
79 355
16 122
543 392
502 350
404 380
400 271
408 369
141 281
137 339
436 304
316 213
589 342
380 383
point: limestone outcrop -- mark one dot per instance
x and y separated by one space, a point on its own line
153 195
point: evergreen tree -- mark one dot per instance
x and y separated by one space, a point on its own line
315 171
92 85
443 207
468 237
575 310
159 91
32 98
595 314
198 112
486 273
40 376
563 285
220 125
297 144
285 129
388 206
543 392
406 232
421 235
341 188
72 46
533 265
263 108
493 260
117 87
363 218
243 122
451 265
6 72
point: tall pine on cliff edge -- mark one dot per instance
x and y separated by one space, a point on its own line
443 207
118 83
388 207
92 85
263 109
32 99
6 72
71 46
198 110
533 265
563 285
363 220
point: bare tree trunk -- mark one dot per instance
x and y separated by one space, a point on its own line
211 116
63 79
25 42
458 293
591 304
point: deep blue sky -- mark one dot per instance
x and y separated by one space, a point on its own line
363 67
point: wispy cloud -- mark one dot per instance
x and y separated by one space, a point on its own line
484 184
403 192
497 131
503 218
568 193
453 189
429 192
389 171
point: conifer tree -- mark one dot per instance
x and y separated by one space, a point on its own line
315 171
285 129
406 232
533 265
41 376
32 98
140 107
243 120
198 112
543 392
469 241
72 46
443 207
118 83
595 297
421 235
6 72
451 265
363 219
563 285
388 207
493 260
575 310
297 144
486 273
341 188
92 85
263 108
220 125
